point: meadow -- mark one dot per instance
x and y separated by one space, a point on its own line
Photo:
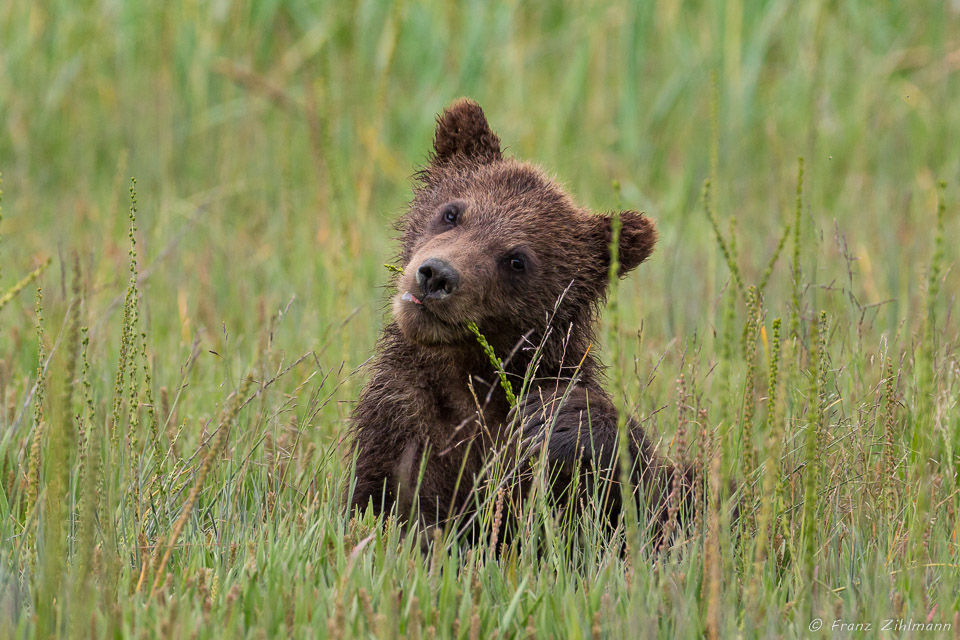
179 354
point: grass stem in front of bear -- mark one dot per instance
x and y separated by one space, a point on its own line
496 362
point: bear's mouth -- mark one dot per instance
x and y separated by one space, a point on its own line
409 297
424 322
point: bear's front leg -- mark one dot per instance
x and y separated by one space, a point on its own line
575 424
578 427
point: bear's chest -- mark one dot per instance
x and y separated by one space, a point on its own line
454 413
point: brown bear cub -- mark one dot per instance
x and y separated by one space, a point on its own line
492 241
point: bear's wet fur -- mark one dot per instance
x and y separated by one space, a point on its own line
491 240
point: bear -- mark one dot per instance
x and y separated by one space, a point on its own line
494 242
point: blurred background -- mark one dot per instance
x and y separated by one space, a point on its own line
273 143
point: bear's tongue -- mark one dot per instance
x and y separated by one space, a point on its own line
409 297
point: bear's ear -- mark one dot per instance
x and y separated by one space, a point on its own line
463 132
638 234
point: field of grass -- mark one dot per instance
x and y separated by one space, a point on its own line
173 407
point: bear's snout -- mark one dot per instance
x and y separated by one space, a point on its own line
437 278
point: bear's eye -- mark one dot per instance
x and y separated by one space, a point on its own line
518 263
450 213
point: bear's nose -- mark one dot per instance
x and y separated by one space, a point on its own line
437 278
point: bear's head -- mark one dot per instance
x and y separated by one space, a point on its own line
492 240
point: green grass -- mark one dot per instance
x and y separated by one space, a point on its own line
272 145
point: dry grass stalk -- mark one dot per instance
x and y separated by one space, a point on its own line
216 445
